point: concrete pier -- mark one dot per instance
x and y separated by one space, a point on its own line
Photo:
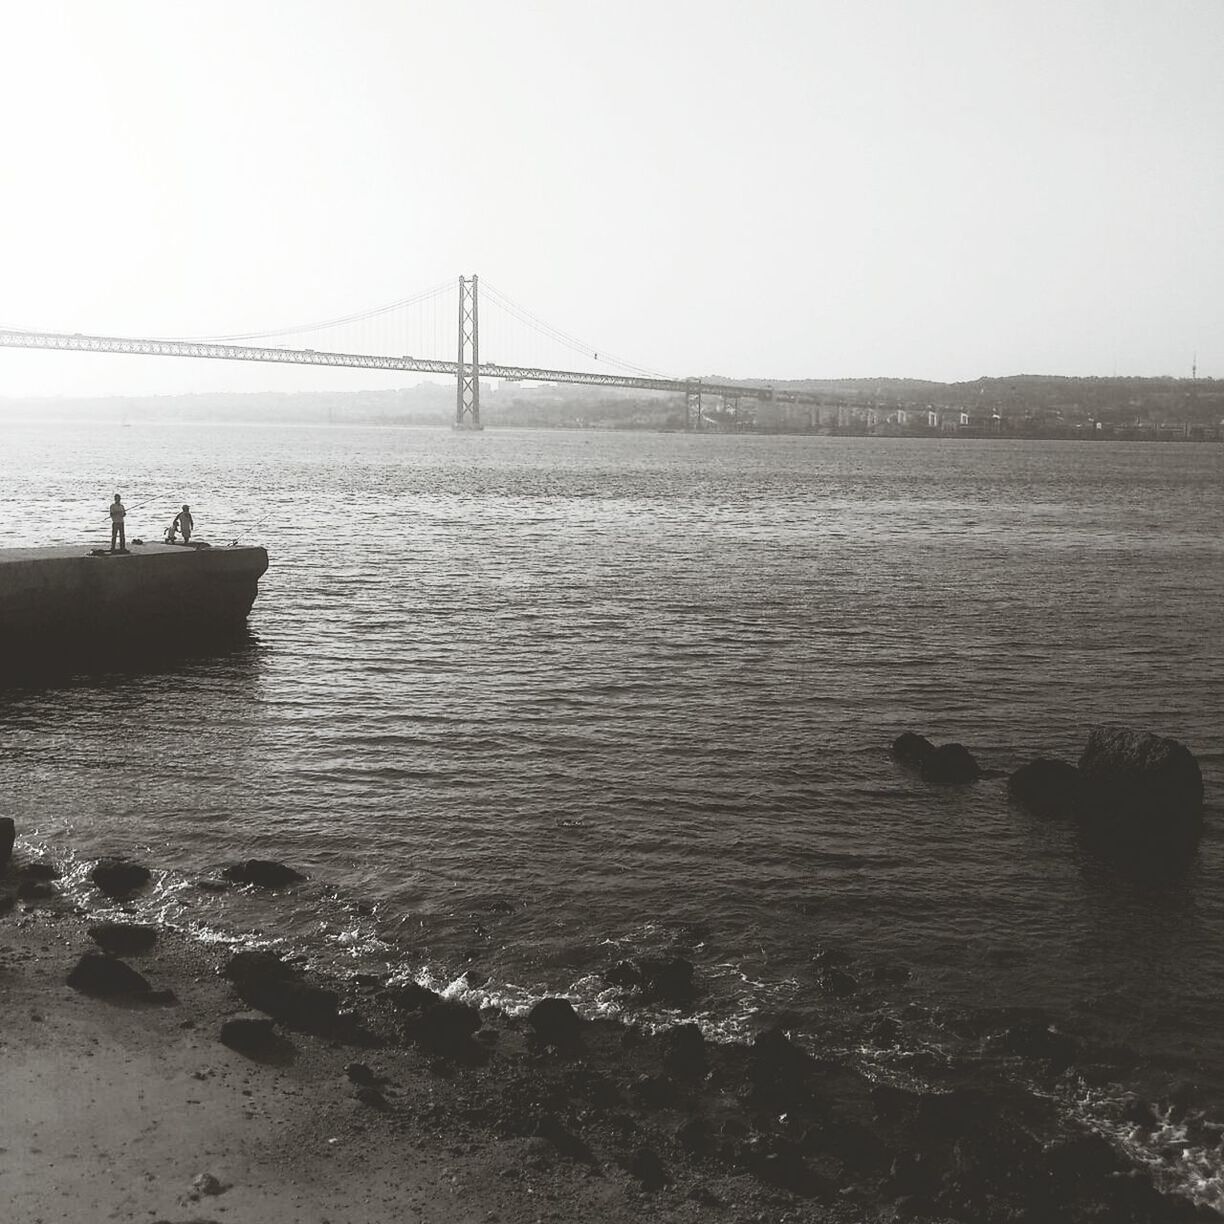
155 593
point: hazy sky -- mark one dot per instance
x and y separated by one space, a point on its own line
775 189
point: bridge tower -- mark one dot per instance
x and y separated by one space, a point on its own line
467 405
692 404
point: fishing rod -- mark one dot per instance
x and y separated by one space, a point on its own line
138 506
254 526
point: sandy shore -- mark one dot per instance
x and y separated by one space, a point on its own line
119 1109
366 1102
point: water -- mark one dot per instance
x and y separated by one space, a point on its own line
525 702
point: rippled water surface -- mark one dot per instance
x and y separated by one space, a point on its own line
525 701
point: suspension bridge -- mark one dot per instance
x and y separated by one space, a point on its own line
355 340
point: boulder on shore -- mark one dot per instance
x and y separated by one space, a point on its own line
684 1052
123 938
106 976
264 981
555 1022
941 765
1048 787
446 1028
264 873
8 835
250 1033
1141 788
118 878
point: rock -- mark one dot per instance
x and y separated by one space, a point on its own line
855 1143
948 1115
778 1071
644 1164
945 765
777 1162
35 890
911 749
264 873
1141 790
123 938
913 1173
412 997
695 1136
1133 1197
1048 787
655 979
567 1144
267 983
998 1161
1141 1114
684 1052
367 1094
654 1091
359 1073
1079 1158
447 1026
1034 1039
915 1207
836 982
8 835
773 1054
118 878
893 974
885 1031
949 765
206 1184
250 1033
253 964
555 1022
831 958
444 1025
107 977
37 873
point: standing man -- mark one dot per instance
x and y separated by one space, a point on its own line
183 522
117 513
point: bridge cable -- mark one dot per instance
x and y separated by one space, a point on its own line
323 325
563 338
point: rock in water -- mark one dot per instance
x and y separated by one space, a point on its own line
265 873
655 979
1141 789
1048 787
107 977
8 835
912 749
118 878
945 765
948 765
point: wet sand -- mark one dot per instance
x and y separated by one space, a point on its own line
372 1102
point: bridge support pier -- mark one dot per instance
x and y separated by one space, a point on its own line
692 405
467 406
